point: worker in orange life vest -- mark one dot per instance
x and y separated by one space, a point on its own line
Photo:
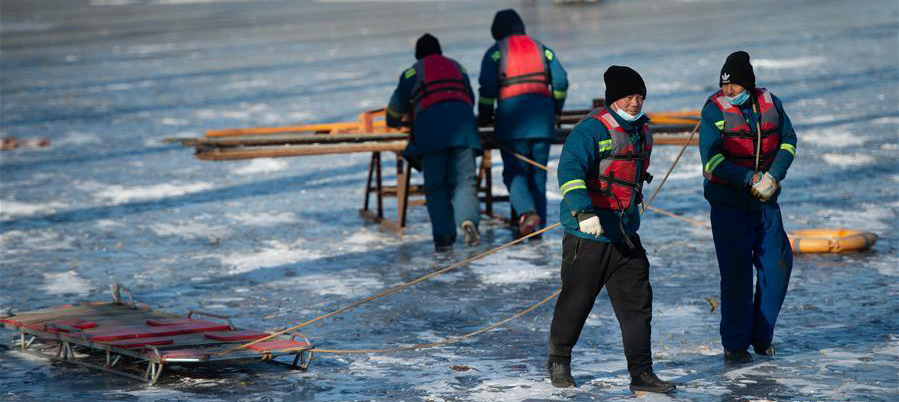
747 143
601 172
444 138
528 84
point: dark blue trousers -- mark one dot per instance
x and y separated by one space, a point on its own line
743 240
450 191
526 183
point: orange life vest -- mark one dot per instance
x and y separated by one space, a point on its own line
739 140
522 67
439 79
611 185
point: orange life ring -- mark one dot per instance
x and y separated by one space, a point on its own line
830 240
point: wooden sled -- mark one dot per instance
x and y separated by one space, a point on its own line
102 335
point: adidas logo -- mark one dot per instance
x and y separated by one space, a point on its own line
725 77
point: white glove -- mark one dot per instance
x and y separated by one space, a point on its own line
591 226
765 187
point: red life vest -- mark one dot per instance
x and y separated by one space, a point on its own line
439 79
612 183
522 67
739 140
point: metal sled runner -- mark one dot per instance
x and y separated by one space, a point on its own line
103 335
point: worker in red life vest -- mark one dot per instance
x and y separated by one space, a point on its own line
747 143
528 84
445 139
601 172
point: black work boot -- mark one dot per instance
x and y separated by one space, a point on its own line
443 245
763 348
528 223
737 356
649 382
559 373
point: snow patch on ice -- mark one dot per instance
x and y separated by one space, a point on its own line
171 121
244 112
366 240
501 269
57 283
10 209
120 194
798 62
253 83
885 120
263 219
847 160
834 137
188 230
23 26
327 284
683 171
261 165
79 138
873 217
276 253
107 224
16 242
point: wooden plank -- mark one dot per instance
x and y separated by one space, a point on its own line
325 127
31 317
299 150
297 139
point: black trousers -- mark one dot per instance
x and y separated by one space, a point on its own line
587 266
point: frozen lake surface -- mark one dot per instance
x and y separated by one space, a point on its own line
276 242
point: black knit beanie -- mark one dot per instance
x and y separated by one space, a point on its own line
621 82
737 70
427 45
506 22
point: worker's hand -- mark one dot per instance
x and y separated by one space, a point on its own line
589 224
764 187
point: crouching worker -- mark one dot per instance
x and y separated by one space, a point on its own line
601 173
746 143
444 139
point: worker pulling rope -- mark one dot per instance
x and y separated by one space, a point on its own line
453 267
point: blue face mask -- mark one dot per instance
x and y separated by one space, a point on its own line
739 99
627 117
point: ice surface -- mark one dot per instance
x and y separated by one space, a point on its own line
278 241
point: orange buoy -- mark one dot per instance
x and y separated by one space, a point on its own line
830 240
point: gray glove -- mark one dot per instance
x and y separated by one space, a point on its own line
764 186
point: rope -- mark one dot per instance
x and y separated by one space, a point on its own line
679 155
676 216
446 341
651 197
389 291
517 155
